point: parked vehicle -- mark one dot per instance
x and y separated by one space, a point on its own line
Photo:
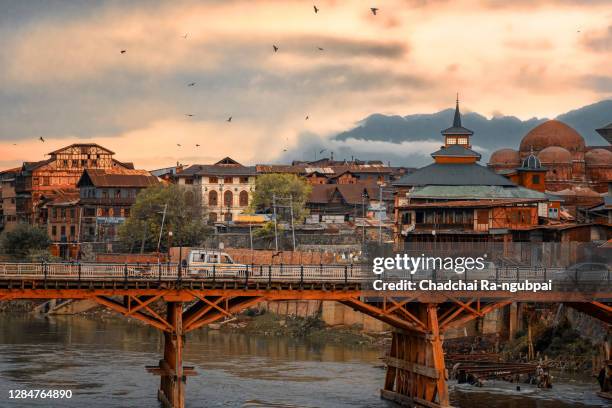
207 263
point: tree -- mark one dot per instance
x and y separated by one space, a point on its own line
185 217
288 189
25 240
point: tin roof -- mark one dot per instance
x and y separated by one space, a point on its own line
117 178
476 192
454 174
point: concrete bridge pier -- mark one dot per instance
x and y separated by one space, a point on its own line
416 375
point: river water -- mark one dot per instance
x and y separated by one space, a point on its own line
102 362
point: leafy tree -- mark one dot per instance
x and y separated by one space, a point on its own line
185 217
24 240
283 187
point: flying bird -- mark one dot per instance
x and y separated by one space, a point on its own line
178 144
189 114
191 84
123 51
316 10
229 119
284 150
197 145
306 117
322 151
41 139
275 48
374 10
320 48
185 36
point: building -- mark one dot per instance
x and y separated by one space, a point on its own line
455 199
339 203
39 182
105 199
571 167
8 199
226 187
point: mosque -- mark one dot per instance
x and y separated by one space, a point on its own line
573 171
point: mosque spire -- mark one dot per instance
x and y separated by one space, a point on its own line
457 118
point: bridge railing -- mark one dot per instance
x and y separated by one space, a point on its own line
564 278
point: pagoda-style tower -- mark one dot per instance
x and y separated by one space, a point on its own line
457 144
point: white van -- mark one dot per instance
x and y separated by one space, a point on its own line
207 263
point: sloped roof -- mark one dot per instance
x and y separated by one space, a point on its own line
456 150
350 193
476 192
454 174
114 178
217 170
80 145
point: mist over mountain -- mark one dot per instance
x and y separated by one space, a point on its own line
489 134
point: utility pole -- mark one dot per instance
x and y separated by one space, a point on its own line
292 228
380 203
275 227
161 230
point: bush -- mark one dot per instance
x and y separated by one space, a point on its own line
23 240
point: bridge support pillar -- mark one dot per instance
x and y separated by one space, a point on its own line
172 385
416 375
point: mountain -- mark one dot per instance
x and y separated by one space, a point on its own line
489 134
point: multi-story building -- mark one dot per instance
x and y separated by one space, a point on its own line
8 198
42 181
456 199
226 187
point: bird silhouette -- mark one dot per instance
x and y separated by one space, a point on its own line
307 117
197 145
320 152
191 84
41 139
189 114
123 51
320 48
185 36
374 10
14 144
178 144
316 10
275 48
229 119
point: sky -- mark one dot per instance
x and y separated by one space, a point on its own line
64 79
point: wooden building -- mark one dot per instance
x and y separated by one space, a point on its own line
456 199
42 181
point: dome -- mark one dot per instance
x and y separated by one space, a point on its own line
598 157
505 157
552 133
555 154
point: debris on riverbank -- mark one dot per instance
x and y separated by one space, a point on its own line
310 328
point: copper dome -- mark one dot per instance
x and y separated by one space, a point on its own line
555 155
552 133
506 157
598 157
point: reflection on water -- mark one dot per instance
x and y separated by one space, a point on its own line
102 362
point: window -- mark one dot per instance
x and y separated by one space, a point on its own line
104 194
244 198
228 180
213 180
188 181
126 212
63 231
72 213
54 213
482 216
212 198
75 163
451 140
227 216
462 140
72 231
212 217
54 231
63 213
419 217
535 179
228 198
65 163
553 213
117 193
244 180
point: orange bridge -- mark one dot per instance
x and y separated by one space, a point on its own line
416 374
